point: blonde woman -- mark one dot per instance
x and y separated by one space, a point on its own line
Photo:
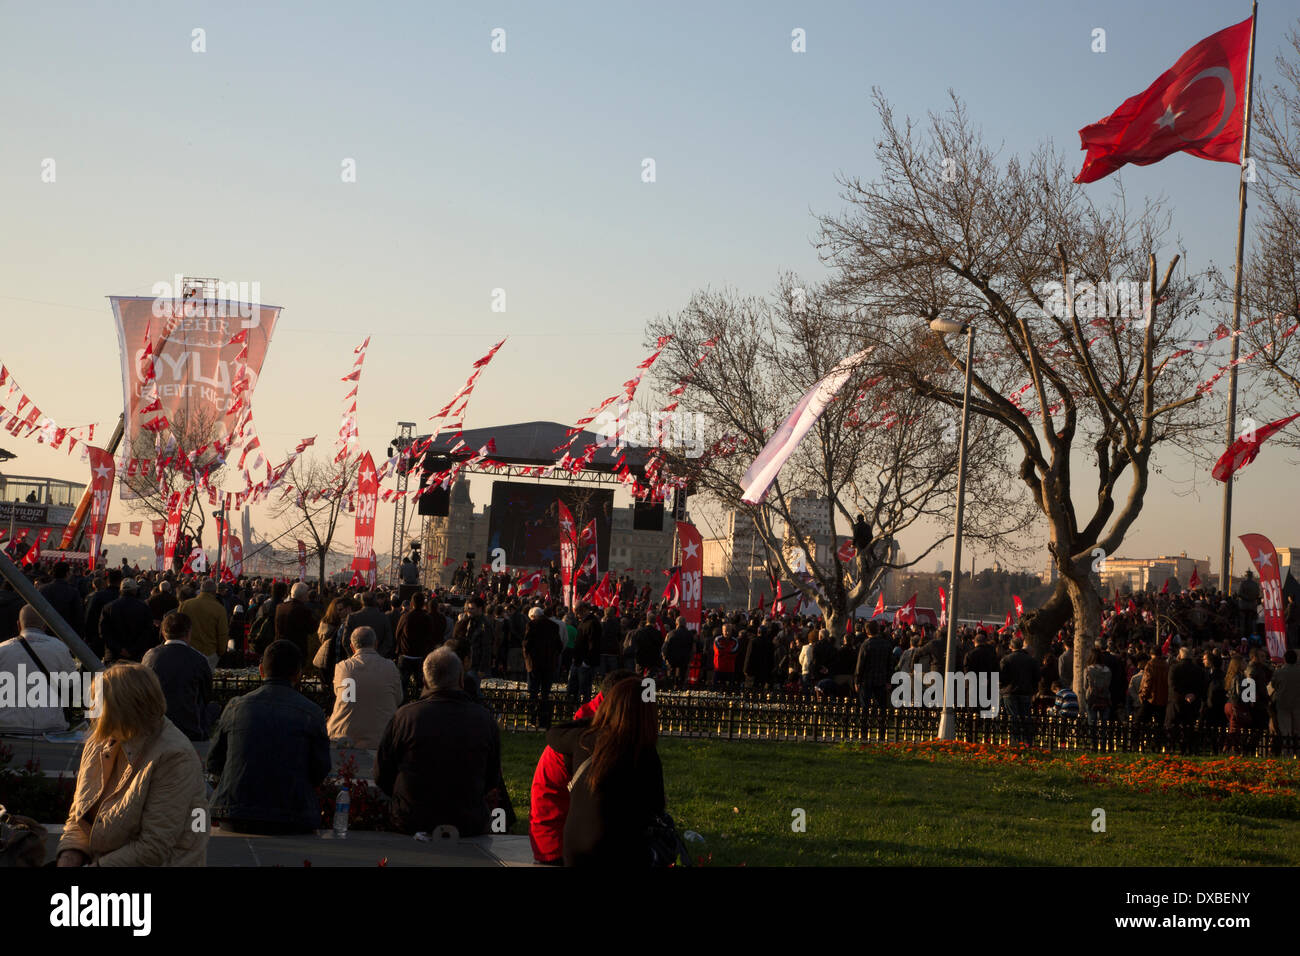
140 798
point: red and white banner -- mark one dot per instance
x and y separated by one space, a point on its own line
943 606
692 551
568 550
1264 555
302 560
101 490
172 531
787 437
1019 605
235 554
188 360
134 527
907 613
158 552
367 501
113 529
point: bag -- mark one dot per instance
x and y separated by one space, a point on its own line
69 713
322 655
667 848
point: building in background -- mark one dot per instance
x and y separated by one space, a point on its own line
36 503
1150 574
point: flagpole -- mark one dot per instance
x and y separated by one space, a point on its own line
1225 579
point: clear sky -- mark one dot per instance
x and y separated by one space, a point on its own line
518 171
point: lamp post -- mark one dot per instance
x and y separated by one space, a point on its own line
948 719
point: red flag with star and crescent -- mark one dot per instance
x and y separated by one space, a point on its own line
363 537
1246 448
1265 558
1196 107
692 579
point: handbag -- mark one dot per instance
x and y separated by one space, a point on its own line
667 848
69 713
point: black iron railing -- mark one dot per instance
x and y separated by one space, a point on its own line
757 715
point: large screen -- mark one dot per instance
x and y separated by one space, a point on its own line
525 521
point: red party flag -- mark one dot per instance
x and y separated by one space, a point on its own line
1020 605
880 605
1245 449
1165 588
1195 107
1195 581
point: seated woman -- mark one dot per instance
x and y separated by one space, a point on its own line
141 799
618 792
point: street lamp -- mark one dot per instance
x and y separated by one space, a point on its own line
948 719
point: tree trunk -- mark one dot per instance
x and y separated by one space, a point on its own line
1086 603
1042 624
320 555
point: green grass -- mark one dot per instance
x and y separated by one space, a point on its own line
872 807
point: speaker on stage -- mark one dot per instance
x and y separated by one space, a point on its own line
647 515
436 502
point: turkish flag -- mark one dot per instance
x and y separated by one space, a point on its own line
1195 107
1020 605
880 605
846 551
907 613
1244 450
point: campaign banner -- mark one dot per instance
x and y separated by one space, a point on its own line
188 360
1264 555
25 513
367 500
101 490
172 530
692 593
568 550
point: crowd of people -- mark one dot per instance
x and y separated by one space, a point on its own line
402 670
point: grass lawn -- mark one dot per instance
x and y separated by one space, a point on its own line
907 805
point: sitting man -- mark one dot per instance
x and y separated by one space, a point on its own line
33 652
440 754
367 692
186 678
271 751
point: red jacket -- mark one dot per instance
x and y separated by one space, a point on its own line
549 797
724 654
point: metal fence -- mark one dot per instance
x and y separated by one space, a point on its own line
754 715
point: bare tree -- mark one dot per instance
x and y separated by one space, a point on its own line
877 452
186 457
1071 367
315 504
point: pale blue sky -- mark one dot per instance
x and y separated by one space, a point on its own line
520 171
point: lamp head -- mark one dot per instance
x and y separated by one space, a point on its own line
948 326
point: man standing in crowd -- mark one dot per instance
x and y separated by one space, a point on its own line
294 620
372 617
126 625
64 597
271 751
647 645
542 647
678 647
209 629
872 672
1019 680
440 755
367 692
185 677
418 633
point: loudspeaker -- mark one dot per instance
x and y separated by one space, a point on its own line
647 515
436 502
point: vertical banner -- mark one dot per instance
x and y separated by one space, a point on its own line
692 596
172 531
568 550
302 560
159 527
1264 555
184 359
101 490
235 555
367 500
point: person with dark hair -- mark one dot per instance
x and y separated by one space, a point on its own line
440 755
107 590
418 633
617 788
648 644
270 752
127 625
1096 687
550 791
294 620
185 677
542 648
64 597
373 617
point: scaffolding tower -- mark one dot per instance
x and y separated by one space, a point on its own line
405 435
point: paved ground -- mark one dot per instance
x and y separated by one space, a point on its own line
357 849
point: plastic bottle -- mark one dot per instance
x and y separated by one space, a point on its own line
342 804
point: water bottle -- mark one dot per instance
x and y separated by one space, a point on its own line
342 804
